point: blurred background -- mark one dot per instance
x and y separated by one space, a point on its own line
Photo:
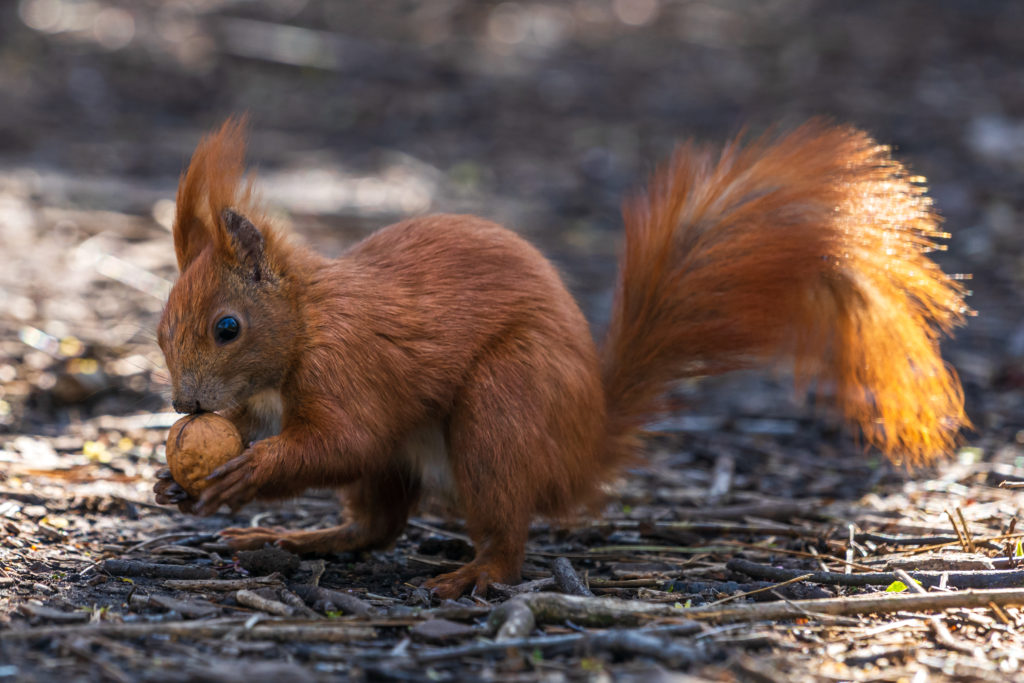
541 115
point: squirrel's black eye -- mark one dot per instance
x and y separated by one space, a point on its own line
226 329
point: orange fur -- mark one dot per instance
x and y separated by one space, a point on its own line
445 354
812 247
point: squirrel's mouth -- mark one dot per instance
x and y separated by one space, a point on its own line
186 407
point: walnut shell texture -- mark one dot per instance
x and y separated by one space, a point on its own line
199 444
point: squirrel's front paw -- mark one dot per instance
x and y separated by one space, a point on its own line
168 492
234 483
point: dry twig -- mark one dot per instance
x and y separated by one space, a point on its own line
881 603
283 631
512 619
257 601
203 585
567 579
960 579
153 570
327 600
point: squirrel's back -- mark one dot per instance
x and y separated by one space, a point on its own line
421 306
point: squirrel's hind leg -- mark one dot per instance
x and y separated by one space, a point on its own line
508 433
377 508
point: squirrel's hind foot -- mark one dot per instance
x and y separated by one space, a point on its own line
475 576
336 539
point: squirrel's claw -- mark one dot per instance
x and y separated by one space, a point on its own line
233 484
168 492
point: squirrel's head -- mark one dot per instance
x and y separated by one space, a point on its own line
228 318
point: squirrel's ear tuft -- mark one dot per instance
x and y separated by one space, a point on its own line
246 243
211 183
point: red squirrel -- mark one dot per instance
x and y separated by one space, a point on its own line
443 354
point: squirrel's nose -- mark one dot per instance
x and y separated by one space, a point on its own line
182 405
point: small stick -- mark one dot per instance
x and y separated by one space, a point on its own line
567 579
186 608
507 592
294 601
555 608
848 569
513 619
1000 613
603 584
721 477
795 579
959 534
881 603
166 537
257 601
326 599
153 570
967 531
438 531
282 631
203 585
821 562
889 539
52 614
999 578
318 567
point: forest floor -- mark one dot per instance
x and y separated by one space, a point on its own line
757 541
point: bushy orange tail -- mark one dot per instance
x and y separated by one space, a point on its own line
810 248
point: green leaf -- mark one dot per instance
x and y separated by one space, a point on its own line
896 587
1018 551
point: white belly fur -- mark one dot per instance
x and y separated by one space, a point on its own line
426 452
266 407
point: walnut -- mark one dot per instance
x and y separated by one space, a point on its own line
199 444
